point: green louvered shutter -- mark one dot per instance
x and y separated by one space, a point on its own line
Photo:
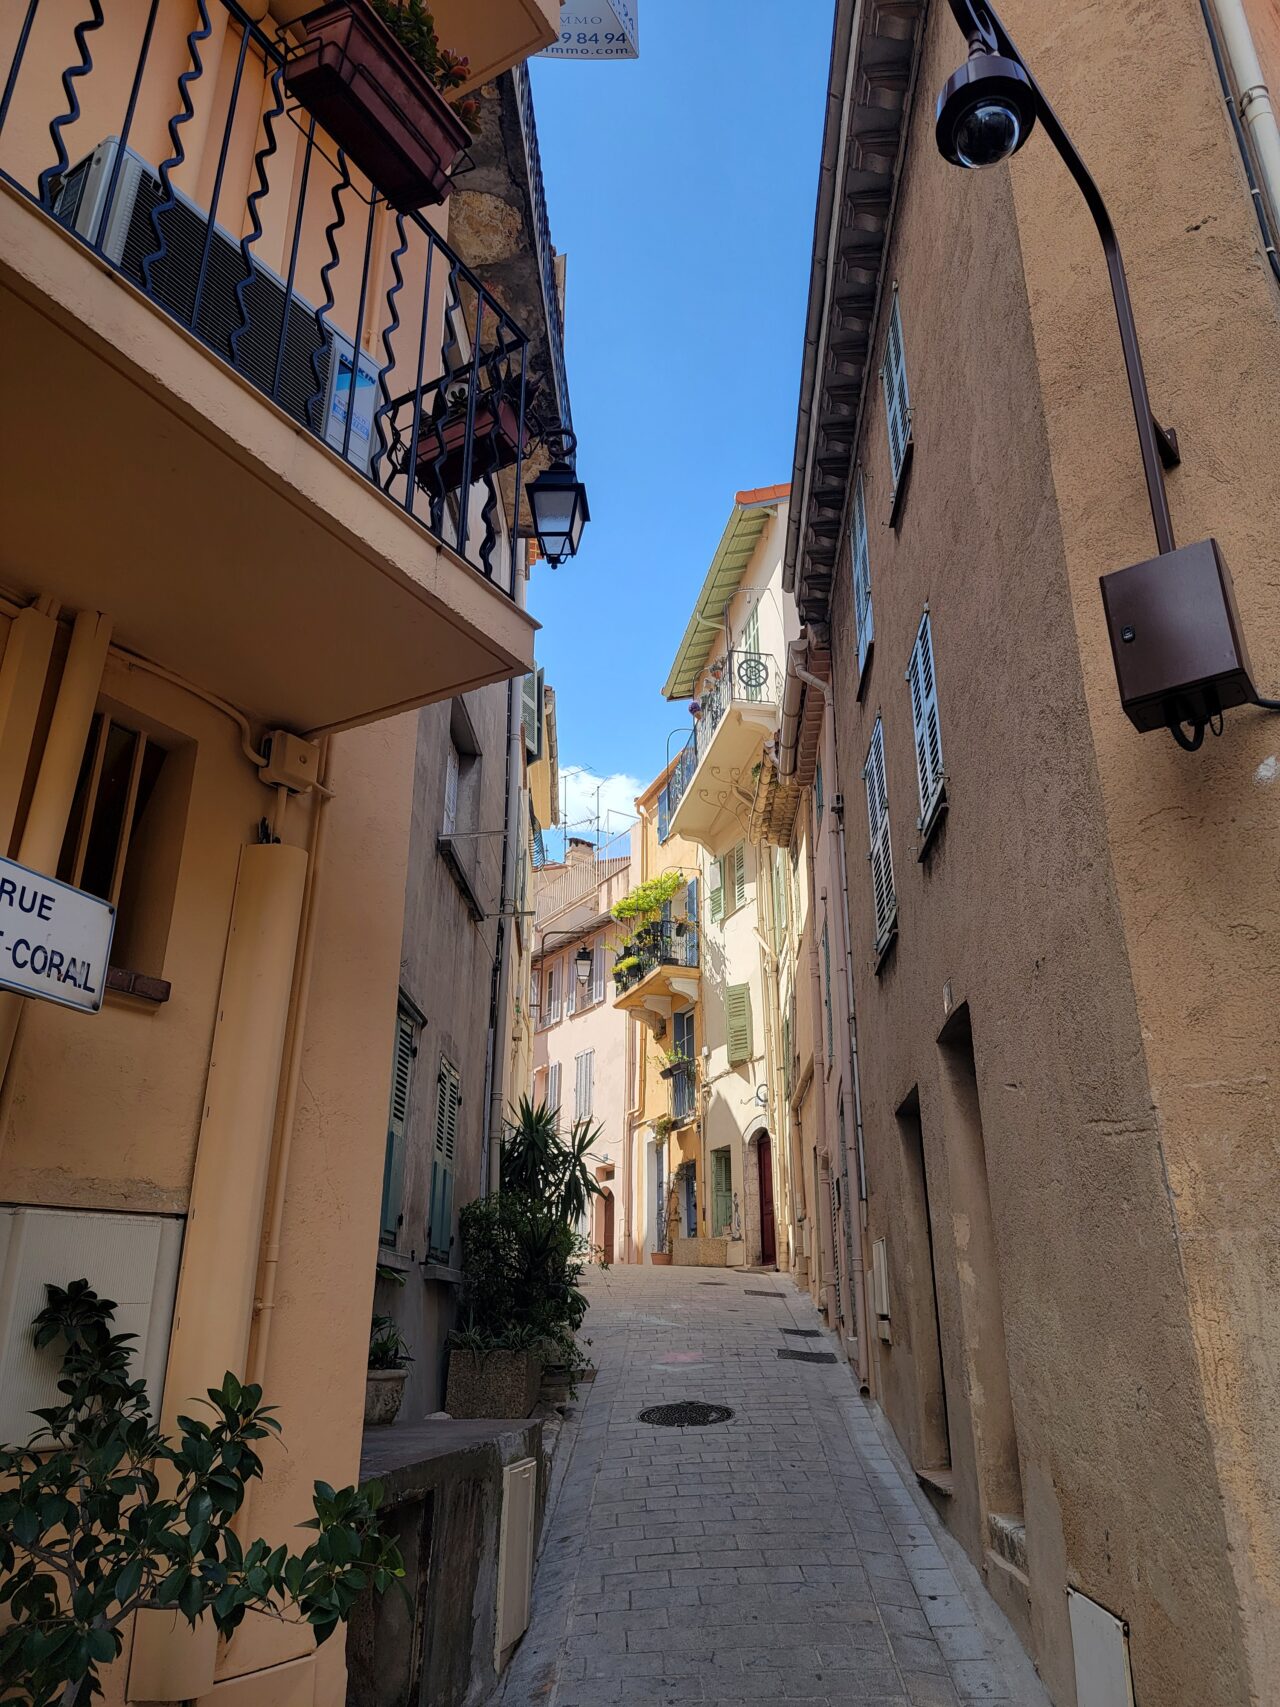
444 1148
717 890
737 1009
739 862
397 1123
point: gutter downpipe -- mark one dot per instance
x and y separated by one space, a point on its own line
500 998
861 1323
1248 103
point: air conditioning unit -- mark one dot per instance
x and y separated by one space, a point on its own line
127 234
131 1258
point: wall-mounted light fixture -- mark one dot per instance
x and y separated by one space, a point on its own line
1179 654
582 964
558 502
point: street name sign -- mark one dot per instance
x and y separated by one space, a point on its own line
55 941
605 29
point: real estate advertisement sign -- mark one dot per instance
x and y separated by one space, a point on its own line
54 940
605 30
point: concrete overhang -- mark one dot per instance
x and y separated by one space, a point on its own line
719 794
144 478
657 995
874 60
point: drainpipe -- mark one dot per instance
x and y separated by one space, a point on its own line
501 999
861 1323
1253 103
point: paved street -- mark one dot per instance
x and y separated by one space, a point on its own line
778 1557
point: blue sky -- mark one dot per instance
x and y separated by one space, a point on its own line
681 187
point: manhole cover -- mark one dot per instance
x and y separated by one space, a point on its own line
748 1292
691 1414
807 1356
804 1333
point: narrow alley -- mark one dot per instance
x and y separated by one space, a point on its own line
778 1556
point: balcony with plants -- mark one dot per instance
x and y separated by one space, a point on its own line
681 1075
230 301
737 706
656 965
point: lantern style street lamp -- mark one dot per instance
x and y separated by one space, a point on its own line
558 504
582 963
1176 642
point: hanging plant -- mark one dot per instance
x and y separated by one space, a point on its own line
647 899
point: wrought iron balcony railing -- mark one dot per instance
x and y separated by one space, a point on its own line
749 678
258 235
682 1084
669 942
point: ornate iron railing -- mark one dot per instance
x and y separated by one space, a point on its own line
667 942
682 1083
747 678
253 231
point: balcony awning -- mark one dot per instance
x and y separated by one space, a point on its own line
751 511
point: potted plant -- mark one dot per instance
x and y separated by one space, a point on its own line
374 76
389 1360
673 1060
660 1255
494 1374
495 442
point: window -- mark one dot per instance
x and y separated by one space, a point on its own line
406 1048
444 1145
571 990
897 409
861 575
553 1090
886 901
551 995
450 821
584 1072
721 1193
123 840
664 815
682 1033
740 1036
817 791
924 720
750 645
729 881
691 920
826 991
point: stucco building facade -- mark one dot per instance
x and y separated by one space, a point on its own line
1064 932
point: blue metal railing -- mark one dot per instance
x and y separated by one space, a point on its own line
747 678
683 1084
258 235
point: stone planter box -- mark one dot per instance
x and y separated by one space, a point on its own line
383 1394
492 1383
701 1253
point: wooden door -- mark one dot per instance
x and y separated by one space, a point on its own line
607 1241
768 1236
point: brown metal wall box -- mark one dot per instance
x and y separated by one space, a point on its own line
1175 637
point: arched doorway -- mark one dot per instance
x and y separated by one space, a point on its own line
768 1222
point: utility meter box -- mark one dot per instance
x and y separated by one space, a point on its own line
291 762
1179 651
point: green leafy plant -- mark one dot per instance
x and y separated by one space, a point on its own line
549 1170
388 1348
414 28
102 1516
521 1268
647 899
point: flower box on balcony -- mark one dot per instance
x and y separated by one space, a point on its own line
442 443
376 104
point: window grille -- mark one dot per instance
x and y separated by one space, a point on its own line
924 720
885 897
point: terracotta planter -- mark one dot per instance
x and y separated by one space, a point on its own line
495 445
660 1259
383 1394
492 1383
376 104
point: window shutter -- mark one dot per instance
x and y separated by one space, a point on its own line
737 1008
721 1193
664 816
717 889
553 994
861 575
583 1084
531 713
817 789
691 917
826 989
397 1125
553 1091
886 903
444 1149
597 973
571 988
893 376
450 790
738 862
924 719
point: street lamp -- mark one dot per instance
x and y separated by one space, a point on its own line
1179 654
583 961
558 503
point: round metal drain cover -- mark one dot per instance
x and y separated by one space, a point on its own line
691 1414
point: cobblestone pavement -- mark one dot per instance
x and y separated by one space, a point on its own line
778 1557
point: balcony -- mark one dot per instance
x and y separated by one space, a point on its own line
682 1087
658 971
712 777
269 425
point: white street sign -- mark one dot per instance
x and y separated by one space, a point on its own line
596 29
54 940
